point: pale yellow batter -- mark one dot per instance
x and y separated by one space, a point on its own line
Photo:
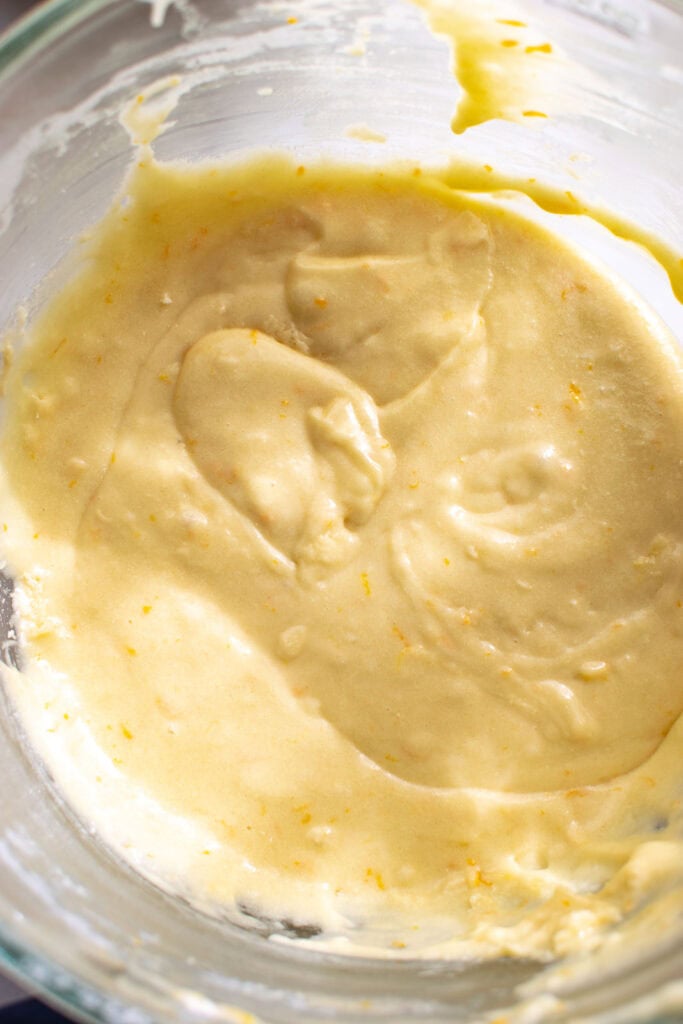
345 513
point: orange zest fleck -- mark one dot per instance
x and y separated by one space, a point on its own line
57 348
376 875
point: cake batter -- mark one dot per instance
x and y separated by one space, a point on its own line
344 513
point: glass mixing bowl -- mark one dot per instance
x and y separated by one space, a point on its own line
76 924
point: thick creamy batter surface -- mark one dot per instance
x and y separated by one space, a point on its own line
345 513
